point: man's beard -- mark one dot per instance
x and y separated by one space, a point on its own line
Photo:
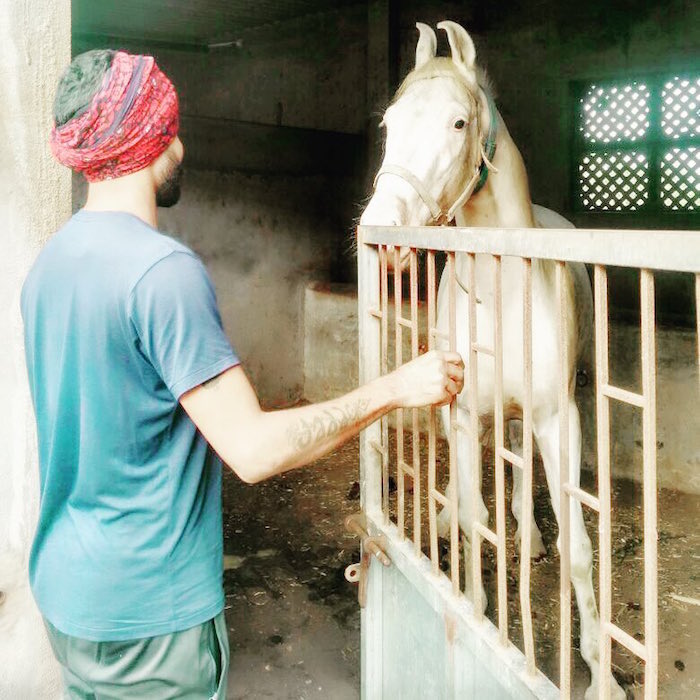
168 192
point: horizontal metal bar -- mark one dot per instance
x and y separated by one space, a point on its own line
580 495
440 497
627 640
487 534
406 323
508 456
626 248
629 397
482 349
406 468
376 313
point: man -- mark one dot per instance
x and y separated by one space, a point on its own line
133 379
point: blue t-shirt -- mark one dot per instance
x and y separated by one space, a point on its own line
120 321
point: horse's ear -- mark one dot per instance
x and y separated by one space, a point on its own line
427 44
463 51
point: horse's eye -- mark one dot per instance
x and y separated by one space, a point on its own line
460 124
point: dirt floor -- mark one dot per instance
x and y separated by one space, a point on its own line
294 620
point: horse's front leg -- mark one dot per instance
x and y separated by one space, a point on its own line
537 548
464 496
581 552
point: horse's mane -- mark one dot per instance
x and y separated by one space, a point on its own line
441 67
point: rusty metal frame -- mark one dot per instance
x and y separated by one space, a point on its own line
680 251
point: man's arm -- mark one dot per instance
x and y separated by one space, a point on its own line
258 444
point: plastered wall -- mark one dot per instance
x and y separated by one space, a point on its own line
264 236
34 196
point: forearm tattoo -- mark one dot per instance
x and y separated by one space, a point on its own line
329 423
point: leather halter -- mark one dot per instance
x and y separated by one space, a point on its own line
476 182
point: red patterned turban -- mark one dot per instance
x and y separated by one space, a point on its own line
131 120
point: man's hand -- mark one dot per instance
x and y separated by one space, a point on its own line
433 378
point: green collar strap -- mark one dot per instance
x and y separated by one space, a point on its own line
490 143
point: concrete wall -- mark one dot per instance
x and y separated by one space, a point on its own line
308 72
265 234
34 197
263 238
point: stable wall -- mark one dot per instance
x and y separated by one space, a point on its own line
34 198
281 117
263 239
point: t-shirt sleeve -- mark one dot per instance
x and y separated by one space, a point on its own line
174 312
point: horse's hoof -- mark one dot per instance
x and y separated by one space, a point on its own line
537 548
616 692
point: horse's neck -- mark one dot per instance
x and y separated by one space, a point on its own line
504 201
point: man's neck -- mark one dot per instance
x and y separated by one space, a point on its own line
132 194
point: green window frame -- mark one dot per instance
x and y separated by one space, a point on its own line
636 144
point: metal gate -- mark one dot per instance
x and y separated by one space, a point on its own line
421 637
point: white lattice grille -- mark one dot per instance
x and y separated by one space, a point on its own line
614 181
681 107
615 113
680 179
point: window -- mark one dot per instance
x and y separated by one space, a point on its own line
637 145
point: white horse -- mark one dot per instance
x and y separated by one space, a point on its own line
443 136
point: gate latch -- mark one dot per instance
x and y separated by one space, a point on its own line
358 573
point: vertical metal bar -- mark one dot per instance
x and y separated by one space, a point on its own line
697 317
432 425
369 330
525 542
600 278
475 443
384 308
651 674
564 479
454 476
370 367
398 355
498 450
415 434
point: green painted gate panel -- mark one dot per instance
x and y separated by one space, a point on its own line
420 641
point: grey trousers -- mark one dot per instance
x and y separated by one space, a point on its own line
188 665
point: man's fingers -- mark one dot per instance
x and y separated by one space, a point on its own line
453 358
453 387
455 372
